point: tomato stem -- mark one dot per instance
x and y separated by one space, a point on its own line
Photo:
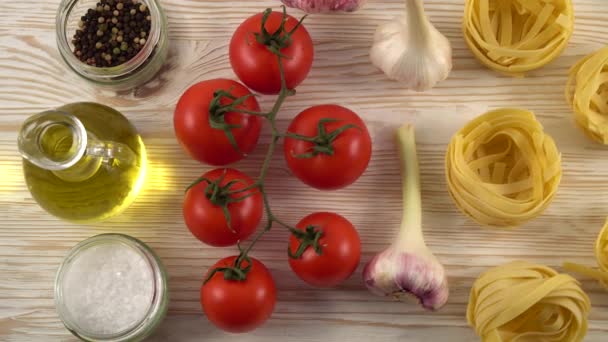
323 141
276 136
222 195
217 113
275 42
308 238
280 38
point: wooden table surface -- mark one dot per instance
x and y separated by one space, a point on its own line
33 244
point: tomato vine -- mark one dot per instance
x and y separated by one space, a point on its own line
322 143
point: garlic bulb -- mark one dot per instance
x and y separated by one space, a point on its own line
320 6
411 50
408 267
402 271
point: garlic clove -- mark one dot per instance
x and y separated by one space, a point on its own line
325 6
409 49
401 274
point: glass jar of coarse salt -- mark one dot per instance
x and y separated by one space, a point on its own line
111 287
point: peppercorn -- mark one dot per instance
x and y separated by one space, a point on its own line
111 28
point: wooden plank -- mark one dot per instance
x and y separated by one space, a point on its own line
32 243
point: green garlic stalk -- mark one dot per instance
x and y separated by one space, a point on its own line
408 267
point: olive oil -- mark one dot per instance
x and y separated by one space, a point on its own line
86 170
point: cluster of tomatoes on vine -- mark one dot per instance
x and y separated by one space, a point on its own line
328 147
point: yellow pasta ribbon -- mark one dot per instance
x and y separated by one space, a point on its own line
502 169
587 93
516 36
601 255
524 302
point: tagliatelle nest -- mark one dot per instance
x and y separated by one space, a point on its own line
516 36
601 256
601 253
587 93
521 301
502 169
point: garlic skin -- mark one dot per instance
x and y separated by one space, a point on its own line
398 274
409 49
325 6
408 267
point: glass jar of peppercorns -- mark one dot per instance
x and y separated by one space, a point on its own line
117 44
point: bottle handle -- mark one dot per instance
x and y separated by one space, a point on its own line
112 154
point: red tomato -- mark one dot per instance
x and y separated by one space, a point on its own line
258 67
352 149
340 251
239 306
205 143
207 221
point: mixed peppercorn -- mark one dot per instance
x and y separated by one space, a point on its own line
112 33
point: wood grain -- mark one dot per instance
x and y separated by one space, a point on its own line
32 243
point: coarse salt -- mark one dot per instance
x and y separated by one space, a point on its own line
108 289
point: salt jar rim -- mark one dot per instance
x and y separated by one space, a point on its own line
157 309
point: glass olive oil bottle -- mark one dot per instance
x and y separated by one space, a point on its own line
83 162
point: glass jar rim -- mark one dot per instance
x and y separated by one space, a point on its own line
106 74
159 287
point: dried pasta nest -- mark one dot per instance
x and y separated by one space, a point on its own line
587 93
521 301
516 36
502 169
601 253
601 256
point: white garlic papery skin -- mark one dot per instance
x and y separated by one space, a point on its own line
324 6
409 49
401 274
